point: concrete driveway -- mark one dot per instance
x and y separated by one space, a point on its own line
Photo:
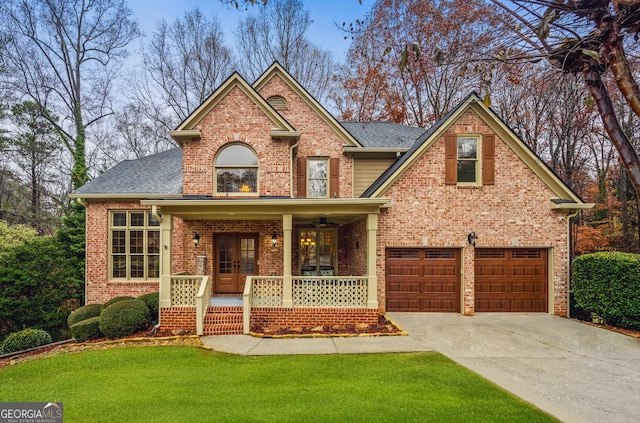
576 372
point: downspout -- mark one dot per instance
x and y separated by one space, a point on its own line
569 242
294 146
154 212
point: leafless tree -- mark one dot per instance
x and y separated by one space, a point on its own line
277 33
183 64
64 56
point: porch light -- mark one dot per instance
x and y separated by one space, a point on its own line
196 239
472 237
274 239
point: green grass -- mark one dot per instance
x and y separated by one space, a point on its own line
181 384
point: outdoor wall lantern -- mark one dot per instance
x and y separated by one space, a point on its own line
274 239
196 239
472 238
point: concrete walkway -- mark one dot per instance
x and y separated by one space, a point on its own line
574 371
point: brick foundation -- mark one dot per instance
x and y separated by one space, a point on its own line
178 318
278 317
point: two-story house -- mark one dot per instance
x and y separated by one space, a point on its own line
311 221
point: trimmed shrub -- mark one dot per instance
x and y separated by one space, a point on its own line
24 340
84 313
608 285
124 318
116 299
86 329
152 300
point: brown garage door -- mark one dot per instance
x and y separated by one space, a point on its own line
511 280
423 279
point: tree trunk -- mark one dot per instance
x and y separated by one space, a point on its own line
611 124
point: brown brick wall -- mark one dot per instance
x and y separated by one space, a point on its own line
514 211
178 318
265 316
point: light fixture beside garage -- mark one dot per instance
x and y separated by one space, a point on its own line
472 237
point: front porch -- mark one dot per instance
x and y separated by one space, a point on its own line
316 301
291 268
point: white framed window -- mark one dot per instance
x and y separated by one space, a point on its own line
469 168
134 245
236 170
317 177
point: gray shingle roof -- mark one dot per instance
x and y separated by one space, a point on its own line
383 134
156 174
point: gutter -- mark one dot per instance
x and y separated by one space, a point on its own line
293 146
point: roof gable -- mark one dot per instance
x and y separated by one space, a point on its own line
498 126
187 131
276 70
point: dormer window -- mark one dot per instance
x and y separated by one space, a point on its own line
236 170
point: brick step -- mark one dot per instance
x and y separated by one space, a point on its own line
223 320
220 318
223 329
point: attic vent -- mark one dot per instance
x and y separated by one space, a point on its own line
277 102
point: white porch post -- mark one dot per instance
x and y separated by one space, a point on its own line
287 280
166 231
372 253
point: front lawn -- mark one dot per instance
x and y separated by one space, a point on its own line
181 384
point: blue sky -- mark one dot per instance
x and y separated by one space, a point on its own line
324 13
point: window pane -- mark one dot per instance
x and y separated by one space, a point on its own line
237 180
120 219
317 188
119 269
137 266
247 255
136 242
151 221
153 264
137 219
308 252
118 242
467 148
235 155
318 168
466 171
153 242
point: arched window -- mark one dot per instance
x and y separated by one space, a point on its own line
236 170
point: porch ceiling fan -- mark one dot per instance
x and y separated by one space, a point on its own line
323 223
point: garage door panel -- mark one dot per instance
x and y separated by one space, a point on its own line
435 286
403 270
511 280
439 270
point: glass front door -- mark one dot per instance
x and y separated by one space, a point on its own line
236 258
318 252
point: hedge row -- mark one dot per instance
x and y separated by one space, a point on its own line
608 285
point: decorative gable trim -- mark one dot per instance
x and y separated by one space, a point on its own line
186 130
277 70
474 103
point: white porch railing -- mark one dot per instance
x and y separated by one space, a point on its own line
203 298
308 291
192 291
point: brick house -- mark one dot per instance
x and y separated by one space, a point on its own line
271 212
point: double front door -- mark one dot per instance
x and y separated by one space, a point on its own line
236 258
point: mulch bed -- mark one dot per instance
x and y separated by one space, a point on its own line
382 328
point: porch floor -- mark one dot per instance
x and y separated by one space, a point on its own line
225 301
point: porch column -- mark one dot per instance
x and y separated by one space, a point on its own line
372 253
166 231
287 280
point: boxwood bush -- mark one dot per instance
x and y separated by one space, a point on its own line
608 285
84 313
152 300
24 340
86 329
124 318
116 299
